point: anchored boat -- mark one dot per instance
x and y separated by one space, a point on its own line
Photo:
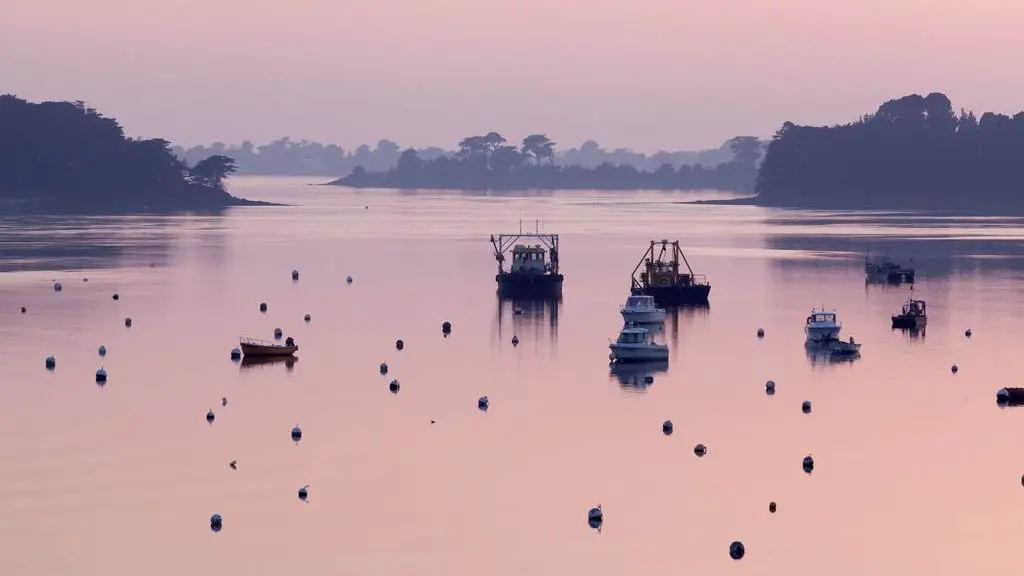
882 269
533 273
822 326
912 316
642 310
634 345
662 279
262 348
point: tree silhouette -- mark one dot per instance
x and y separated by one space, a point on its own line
213 171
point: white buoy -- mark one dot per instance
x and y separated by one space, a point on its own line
51 362
101 375
210 416
103 351
296 433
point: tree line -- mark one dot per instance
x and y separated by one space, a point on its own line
287 157
490 162
912 152
67 157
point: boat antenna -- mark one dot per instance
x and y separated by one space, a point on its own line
536 226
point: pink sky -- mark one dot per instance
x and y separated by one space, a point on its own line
647 74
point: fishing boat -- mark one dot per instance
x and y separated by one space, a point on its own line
822 326
634 345
882 269
641 309
912 316
254 347
662 279
533 273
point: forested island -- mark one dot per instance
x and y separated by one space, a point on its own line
63 157
288 157
489 162
914 152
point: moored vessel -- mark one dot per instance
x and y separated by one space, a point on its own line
263 348
534 271
641 309
882 269
662 279
634 345
912 316
822 326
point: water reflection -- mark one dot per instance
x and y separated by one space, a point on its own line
819 355
249 362
528 317
672 316
912 334
637 376
90 242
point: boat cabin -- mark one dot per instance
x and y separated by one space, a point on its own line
914 308
633 336
529 259
821 317
640 302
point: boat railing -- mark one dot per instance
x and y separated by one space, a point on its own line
258 342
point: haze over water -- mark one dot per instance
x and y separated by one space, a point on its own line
915 469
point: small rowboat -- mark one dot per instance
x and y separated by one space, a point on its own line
254 347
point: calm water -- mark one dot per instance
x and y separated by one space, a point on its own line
917 469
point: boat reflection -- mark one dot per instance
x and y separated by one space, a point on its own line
912 333
249 362
637 376
672 316
825 354
528 317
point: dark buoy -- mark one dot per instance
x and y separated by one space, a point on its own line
483 403
383 368
295 274
954 369
101 375
769 387
595 516
224 401
115 296
236 354
806 407
760 332
666 427
102 351
968 333
446 328
348 279
393 386
1010 397
296 433
771 507
515 340
210 416
127 322
263 306
233 464
51 362
700 450
216 522
278 333
289 341
23 309
304 492
737 550
808 464
307 317
399 345
57 287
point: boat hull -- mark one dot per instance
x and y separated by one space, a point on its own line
678 295
268 351
635 353
643 316
820 334
529 286
909 321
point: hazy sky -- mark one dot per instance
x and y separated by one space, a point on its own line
647 74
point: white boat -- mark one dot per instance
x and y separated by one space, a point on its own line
822 326
634 345
642 310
